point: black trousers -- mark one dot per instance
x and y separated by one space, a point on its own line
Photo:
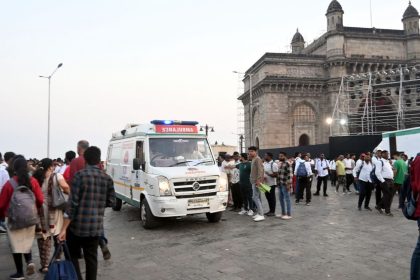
271 199
388 191
17 258
324 181
236 195
378 193
365 193
246 191
90 253
349 181
333 177
305 185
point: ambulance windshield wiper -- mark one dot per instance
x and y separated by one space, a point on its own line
181 162
204 161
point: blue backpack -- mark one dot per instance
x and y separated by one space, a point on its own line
61 269
409 209
301 171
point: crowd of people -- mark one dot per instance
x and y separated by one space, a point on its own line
294 175
77 218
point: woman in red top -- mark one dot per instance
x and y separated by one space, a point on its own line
21 240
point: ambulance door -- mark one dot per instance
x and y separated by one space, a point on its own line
114 168
138 175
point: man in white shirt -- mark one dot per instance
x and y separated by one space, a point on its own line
376 162
385 175
349 166
361 175
321 170
333 172
271 170
303 172
227 165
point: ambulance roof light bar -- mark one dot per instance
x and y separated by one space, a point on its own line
173 122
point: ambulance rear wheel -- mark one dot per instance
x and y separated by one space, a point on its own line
148 220
118 204
214 217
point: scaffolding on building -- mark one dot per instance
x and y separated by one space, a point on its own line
376 102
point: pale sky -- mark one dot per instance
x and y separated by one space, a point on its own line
134 61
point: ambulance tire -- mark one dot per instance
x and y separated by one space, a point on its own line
118 204
148 220
214 217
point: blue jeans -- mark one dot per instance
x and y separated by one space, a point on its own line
284 198
257 199
415 259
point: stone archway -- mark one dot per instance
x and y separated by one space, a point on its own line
304 140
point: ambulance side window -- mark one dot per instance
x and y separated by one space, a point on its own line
140 153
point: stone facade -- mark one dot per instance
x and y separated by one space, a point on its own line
294 93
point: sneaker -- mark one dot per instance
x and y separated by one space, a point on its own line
280 216
357 192
368 208
308 204
325 195
297 201
269 214
243 212
286 217
105 252
389 214
250 213
258 218
30 269
316 194
379 210
349 192
17 276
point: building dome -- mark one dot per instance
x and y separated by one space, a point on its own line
334 6
298 38
410 12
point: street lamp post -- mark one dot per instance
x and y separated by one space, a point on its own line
250 104
207 128
49 105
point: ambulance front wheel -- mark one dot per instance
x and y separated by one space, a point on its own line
148 220
118 204
214 217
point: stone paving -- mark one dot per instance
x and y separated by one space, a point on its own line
330 239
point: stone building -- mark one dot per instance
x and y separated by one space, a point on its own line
294 93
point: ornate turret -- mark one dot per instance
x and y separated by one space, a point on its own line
411 20
334 16
298 43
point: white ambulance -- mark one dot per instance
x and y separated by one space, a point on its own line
167 169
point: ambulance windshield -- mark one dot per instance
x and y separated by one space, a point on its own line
171 152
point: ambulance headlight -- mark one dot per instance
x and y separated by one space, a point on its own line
164 186
223 181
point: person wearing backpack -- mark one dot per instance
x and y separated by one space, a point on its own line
19 200
303 172
377 163
362 176
415 188
51 218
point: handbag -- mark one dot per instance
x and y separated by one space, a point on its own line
61 269
58 199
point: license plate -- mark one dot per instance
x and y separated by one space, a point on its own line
198 202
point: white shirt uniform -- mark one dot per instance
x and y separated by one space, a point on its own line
3 166
319 167
333 165
366 169
4 177
384 171
349 163
269 169
235 174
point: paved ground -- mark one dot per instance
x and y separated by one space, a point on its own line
328 240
